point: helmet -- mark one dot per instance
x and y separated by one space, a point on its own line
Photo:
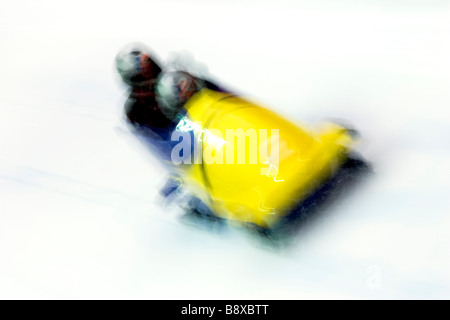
174 89
135 66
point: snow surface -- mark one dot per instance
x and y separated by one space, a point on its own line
80 215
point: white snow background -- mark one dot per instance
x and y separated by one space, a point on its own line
80 216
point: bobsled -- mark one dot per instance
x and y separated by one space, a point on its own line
250 165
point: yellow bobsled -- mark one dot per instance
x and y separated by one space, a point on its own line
252 165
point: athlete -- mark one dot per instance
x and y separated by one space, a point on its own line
155 105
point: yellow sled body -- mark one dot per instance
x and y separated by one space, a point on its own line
238 187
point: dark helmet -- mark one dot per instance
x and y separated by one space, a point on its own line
135 65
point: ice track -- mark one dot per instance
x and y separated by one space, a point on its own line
80 215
